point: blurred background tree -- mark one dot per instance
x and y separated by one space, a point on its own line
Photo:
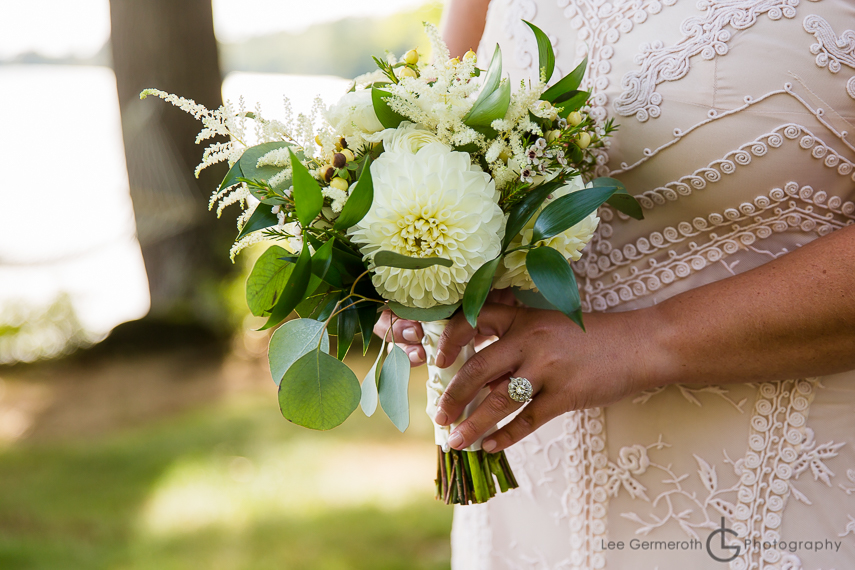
171 46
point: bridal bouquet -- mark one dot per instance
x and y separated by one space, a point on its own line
423 188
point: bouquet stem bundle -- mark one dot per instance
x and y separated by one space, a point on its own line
465 477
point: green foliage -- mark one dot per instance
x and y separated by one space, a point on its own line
478 289
552 275
370 397
394 379
291 341
546 57
268 279
251 171
568 83
294 290
262 218
318 391
436 313
359 201
392 259
495 97
387 117
621 200
571 101
567 211
348 324
308 199
522 212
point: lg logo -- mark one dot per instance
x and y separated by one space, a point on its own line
722 547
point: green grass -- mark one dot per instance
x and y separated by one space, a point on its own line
231 486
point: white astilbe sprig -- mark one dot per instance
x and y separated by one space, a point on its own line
440 50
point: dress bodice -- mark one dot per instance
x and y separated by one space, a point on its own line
736 134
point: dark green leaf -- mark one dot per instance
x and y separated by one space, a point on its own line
367 319
232 177
392 259
359 201
387 117
318 391
291 341
295 289
312 303
525 209
308 199
552 275
477 290
328 306
348 323
394 380
267 280
567 83
567 211
546 57
260 219
533 299
322 260
621 200
436 313
575 100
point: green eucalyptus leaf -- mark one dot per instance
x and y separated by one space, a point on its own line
568 210
291 341
522 212
567 83
394 380
552 275
267 280
359 201
250 169
387 117
574 101
308 199
392 259
477 290
621 200
318 391
546 56
262 218
295 289
348 323
435 313
369 398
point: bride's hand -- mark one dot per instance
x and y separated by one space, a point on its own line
408 334
569 369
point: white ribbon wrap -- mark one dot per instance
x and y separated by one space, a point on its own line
438 379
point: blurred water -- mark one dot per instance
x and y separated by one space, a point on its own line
66 218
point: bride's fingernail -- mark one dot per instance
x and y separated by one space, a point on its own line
441 418
488 445
414 357
440 360
455 440
409 334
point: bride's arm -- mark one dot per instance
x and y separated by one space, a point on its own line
793 317
463 24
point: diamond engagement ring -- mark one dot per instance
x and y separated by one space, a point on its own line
519 390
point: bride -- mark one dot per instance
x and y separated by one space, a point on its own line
708 414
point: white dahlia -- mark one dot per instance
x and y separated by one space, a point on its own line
512 272
432 203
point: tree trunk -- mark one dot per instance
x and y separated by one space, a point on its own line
170 45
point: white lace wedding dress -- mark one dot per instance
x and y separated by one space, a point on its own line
735 119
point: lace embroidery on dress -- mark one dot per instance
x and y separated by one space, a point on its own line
831 50
585 500
728 232
780 448
705 35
